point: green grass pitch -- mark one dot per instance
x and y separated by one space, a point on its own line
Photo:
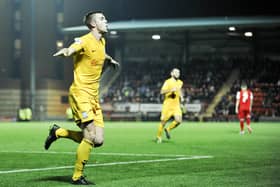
198 154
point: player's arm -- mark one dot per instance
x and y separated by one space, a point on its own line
111 60
181 93
181 96
166 89
76 46
236 106
251 103
65 52
237 102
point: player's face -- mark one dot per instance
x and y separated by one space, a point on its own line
101 23
176 73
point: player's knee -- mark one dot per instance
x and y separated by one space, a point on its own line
178 120
163 123
90 136
98 142
98 145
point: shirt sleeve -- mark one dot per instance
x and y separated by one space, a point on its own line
165 86
238 95
78 44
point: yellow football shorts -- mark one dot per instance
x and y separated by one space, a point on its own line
86 108
169 111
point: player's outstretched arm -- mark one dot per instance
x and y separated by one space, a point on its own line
164 90
112 61
65 52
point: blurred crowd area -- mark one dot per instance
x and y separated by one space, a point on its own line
140 82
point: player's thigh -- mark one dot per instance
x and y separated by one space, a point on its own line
247 114
165 114
74 107
98 118
177 114
178 118
241 115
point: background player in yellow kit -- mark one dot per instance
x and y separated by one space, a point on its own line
89 54
171 90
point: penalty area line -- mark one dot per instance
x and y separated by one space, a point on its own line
106 164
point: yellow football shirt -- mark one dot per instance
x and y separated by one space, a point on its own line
88 63
172 99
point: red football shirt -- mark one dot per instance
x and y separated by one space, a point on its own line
245 97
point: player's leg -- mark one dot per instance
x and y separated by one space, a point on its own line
58 132
83 152
177 113
159 131
93 136
76 136
248 122
165 115
175 123
51 136
241 121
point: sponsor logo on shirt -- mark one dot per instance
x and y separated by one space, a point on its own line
78 40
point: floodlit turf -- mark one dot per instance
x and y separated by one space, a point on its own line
198 154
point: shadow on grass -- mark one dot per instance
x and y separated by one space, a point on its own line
163 141
63 179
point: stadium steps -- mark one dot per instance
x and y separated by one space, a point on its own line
223 90
108 78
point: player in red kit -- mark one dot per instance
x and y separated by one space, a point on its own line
243 107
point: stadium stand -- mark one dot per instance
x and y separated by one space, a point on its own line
263 79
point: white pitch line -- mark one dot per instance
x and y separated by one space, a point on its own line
110 154
106 164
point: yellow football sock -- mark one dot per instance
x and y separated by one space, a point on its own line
82 157
173 125
160 129
76 136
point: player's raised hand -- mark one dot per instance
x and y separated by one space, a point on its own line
61 52
112 61
64 52
236 110
115 63
173 89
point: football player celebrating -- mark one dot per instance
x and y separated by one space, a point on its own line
243 107
89 54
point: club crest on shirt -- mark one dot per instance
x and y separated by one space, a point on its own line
78 40
84 115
